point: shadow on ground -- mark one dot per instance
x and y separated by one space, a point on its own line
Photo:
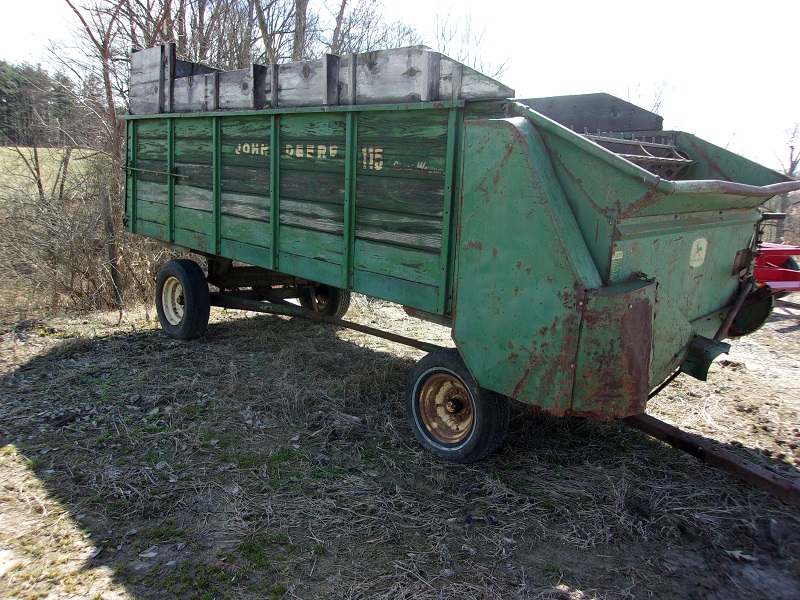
272 458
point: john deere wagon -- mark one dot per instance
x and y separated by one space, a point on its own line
580 254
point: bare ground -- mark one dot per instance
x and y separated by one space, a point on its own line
272 459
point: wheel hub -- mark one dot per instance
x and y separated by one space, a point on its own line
172 300
446 408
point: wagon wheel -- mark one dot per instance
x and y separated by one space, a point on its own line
326 299
449 413
182 299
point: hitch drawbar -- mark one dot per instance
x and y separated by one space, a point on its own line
760 477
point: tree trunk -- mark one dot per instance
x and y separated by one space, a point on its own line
300 11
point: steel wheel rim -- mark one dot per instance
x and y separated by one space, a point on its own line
446 408
320 297
172 300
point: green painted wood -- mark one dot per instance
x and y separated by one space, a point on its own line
217 182
152 128
152 149
188 196
320 271
313 127
200 242
246 206
393 261
350 182
132 178
404 196
201 128
317 216
453 128
236 250
413 126
274 192
155 193
151 170
415 231
246 179
249 231
151 211
198 221
171 180
152 230
324 247
318 186
397 290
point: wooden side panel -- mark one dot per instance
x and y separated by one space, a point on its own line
198 93
152 212
244 89
194 195
312 164
245 186
146 85
400 198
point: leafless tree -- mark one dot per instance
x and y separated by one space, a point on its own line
455 38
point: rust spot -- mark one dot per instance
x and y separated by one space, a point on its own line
519 264
494 251
473 244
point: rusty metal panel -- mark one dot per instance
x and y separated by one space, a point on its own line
614 363
522 268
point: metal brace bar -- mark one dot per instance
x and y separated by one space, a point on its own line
231 301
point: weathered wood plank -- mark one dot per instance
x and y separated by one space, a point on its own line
403 263
254 255
415 231
324 247
188 196
314 125
474 85
245 206
184 68
195 94
411 196
195 175
151 191
156 231
194 240
249 231
315 216
151 170
154 212
250 180
412 125
309 268
398 75
319 186
301 83
198 221
404 292
243 89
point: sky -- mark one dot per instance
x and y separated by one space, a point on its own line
727 71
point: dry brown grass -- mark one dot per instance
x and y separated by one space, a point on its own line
272 458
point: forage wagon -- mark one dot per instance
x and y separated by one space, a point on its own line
580 254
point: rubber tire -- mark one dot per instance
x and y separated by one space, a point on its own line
490 415
196 299
336 304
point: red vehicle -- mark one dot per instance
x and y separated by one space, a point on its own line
777 268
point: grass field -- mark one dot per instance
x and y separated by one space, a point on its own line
272 459
16 175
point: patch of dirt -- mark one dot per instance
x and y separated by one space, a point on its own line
272 458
